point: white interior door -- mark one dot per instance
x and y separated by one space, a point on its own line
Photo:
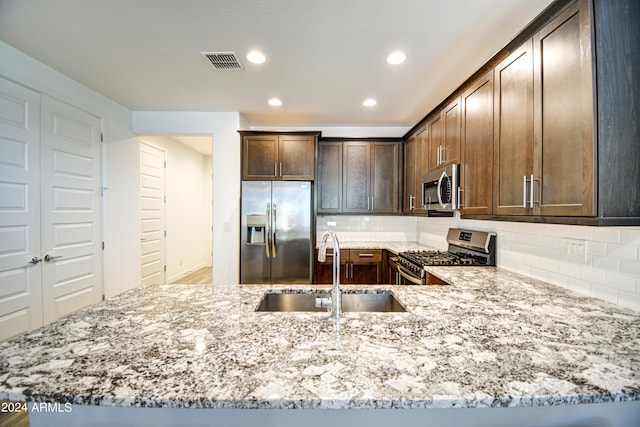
20 280
71 209
152 207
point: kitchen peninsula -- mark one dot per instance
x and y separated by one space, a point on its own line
165 354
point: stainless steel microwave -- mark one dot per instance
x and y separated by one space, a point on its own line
440 190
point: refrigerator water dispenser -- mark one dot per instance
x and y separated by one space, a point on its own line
256 229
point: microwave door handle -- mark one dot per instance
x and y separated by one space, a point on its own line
439 191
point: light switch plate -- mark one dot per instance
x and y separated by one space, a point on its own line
574 249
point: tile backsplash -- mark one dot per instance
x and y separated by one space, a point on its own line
603 262
374 228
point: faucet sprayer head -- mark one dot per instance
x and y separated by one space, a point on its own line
322 253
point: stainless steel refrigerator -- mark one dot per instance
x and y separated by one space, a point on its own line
275 236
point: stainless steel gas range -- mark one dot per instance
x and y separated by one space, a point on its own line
466 248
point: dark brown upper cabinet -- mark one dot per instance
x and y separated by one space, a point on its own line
269 156
409 188
513 147
329 182
358 176
415 165
549 125
544 141
444 136
435 138
476 163
563 116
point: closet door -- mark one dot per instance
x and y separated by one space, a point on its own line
71 209
20 279
152 214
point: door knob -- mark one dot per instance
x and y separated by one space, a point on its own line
50 258
35 260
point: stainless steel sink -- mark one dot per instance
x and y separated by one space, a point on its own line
372 302
361 301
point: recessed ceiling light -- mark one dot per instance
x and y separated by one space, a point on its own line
275 102
396 58
256 57
369 102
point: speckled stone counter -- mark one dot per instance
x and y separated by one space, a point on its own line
491 339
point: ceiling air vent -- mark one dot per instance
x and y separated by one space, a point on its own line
224 61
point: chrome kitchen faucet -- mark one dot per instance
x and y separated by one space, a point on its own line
335 300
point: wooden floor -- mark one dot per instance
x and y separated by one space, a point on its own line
14 419
199 277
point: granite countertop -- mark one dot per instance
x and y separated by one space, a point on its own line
492 339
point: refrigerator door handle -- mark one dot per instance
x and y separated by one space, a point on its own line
273 250
268 231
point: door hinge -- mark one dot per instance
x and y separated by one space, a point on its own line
101 137
165 268
165 164
103 246
103 297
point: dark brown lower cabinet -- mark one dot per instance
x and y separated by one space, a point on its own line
357 267
391 275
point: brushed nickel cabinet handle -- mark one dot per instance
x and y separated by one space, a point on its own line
531 194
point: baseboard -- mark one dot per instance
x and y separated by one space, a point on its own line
185 273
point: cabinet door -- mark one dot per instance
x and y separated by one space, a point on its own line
260 157
329 177
365 266
296 157
385 173
476 166
365 273
436 139
324 270
422 167
450 151
356 177
410 166
513 132
563 115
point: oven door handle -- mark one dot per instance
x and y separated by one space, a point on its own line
407 275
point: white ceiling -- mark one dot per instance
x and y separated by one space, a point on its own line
323 57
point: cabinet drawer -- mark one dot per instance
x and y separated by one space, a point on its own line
344 255
365 254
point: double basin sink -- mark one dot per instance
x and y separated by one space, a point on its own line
294 300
